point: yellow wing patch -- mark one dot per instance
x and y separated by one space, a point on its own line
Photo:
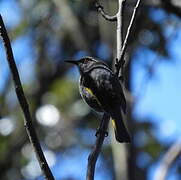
113 123
92 94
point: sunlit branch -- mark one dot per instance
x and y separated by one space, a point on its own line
24 104
119 34
120 59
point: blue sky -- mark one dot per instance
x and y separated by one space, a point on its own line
161 99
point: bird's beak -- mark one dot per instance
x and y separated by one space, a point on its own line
72 62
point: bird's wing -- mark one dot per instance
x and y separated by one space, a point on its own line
107 88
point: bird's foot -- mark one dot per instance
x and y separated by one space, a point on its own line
101 131
121 78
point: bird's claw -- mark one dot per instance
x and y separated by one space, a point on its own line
121 78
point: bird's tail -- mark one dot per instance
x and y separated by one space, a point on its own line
121 132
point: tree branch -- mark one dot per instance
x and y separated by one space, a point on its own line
92 159
168 159
120 27
120 57
24 104
104 15
119 34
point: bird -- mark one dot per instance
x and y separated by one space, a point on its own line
101 90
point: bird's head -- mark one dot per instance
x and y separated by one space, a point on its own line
84 64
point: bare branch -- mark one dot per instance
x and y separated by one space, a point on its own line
119 34
104 15
24 104
120 60
92 159
168 159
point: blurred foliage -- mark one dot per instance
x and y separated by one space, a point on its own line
55 31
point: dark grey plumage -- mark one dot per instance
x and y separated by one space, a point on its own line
101 90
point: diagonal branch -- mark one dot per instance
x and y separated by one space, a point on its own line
24 104
104 15
97 148
120 60
169 158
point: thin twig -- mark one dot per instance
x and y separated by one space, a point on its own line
97 148
24 104
169 158
120 61
104 15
